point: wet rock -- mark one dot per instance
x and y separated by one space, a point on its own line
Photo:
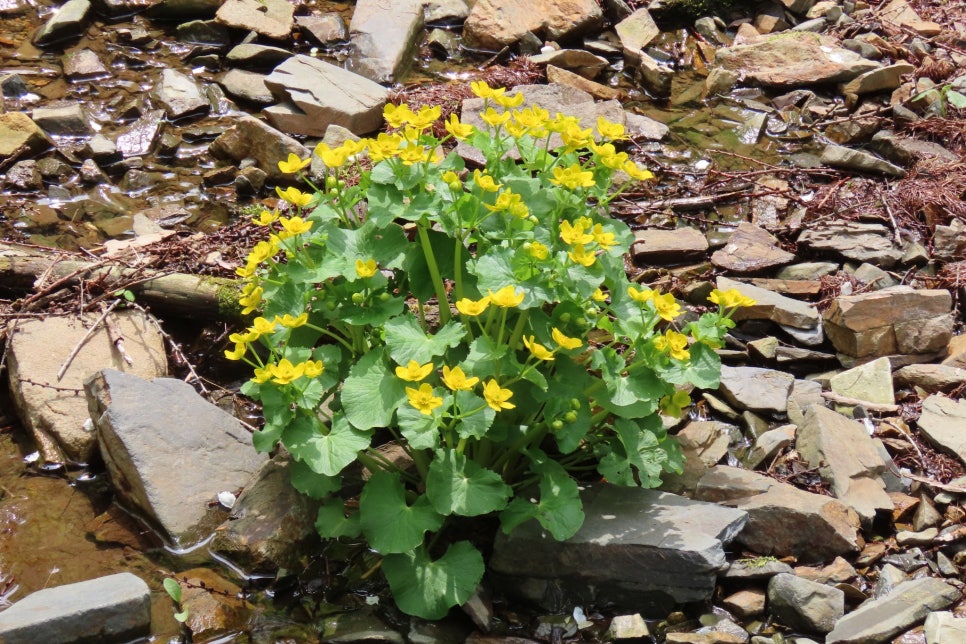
100 148
245 85
899 319
24 175
494 24
906 150
862 242
750 249
656 77
325 29
204 32
257 56
942 421
19 136
839 571
270 18
846 459
447 11
579 61
705 636
64 120
878 80
641 547
83 64
943 627
745 603
871 382
772 306
879 620
70 21
838 156
793 59
901 14
443 43
13 86
783 520
635 32
249 138
363 625
656 246
56 417
949 242
383 38
91 173
930 377
805 605
214 604
179 95
115 608
756 389
138 139
147 430
325 94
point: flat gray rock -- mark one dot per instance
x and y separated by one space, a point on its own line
839 156
179 95
750 249
63 120
257 56
773 306
756 388
246 85
859 241
942 421
803 604
270 18
250 138
70 21
656 245
383 37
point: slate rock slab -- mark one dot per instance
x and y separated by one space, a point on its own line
855 240
168 451
270 18
750 249
638 548
803 604
250 138
383 37
756 388
69 21
180 95
496 23
115 608
772 306
943 421
19 135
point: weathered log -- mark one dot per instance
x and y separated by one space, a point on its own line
27 268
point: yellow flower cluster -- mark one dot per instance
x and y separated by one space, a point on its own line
581 233
261 326
732 298
666 306
259 253
424 398
284 372
563 341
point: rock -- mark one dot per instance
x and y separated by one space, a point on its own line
245 85
846 459
879 620
943 627
204 32
783 520
270 18
755 569
942 421
899 319
83 64
249 138
257 56
494 24
24 175
745 603
656 77
578 61
750 249
874 276
862 242
704 444
214 605
749 133
839 571
364 625
446 10
755 388
906 151
711 636
948 242
807 271
656 246
772 306
147 430
326 94
769 444
901 14
70 21
564 77
930 377
878 80
908 538
56 416
383 38
956 350
100 148
179 95
12 86
115 608
636 546
871 382
635 32
325 29
63 120
803 604
793 59
19 136
839 156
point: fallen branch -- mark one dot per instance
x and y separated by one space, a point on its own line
83 341
871 406
685 203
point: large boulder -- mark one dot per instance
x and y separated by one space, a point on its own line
270 18
383 37
249 138
20 136
497 23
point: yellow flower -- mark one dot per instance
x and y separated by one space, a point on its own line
238 353
295 226
261 326
251 299
598 296
481 89
265 218
414 372
426 117
509 101
506 297
294 196
515 130
667 307
384 146
493 118
730 298
565 342
674 405
674 344
579 255
609 130
423 398
486 182
293 164
572 177
574 233
459 130
511 202
496 396
640 295
332 157
397 115
246 271
538 250
538 351
472 308
635 172
261 251
262 375
450 177
413 153
285 372
314 368
456 380
365 269
614 161
604 239
244 338
292 322
575 138
562 122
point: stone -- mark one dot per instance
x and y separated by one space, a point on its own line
70 21
942 421
204 32
712 636
930 377
24 175
908 538
862 242
943 627
246 85
63 120
495 24
803 604
627 627
83 64
881 619
807 270
745 603
327 94
874 276
948 242
837 572
215 606
878 80
139 139
755 569
772 306
100 148
756 388
325 28
362 625
871 382
20 136
793 59
659 246
56 416
636 547
750 249
12 86
635 32
383 38
179 95
250 138
257 56
115 608
783 520
720 81
564 77
956 352
270 18
905 151
846 459
578 61
148 430
900 13
656 77
839 156
704 444
769 444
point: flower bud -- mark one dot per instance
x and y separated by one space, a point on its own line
358 298
331 183
570 417
557 425
384 297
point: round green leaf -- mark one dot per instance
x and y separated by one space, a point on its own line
325 453
371 392
428 589
389 523
456 485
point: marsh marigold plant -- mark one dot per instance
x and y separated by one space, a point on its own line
481 319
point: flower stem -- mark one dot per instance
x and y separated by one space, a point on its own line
438 285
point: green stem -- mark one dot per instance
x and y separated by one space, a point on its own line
518 328
434 274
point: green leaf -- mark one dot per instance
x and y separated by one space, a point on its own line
420 429
182 616
173 588
486 357
333 521
477 424
956 99
559 509
635 456
389 523
325 453
456 485
428 589
311 483
407 341
444 251
371 393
